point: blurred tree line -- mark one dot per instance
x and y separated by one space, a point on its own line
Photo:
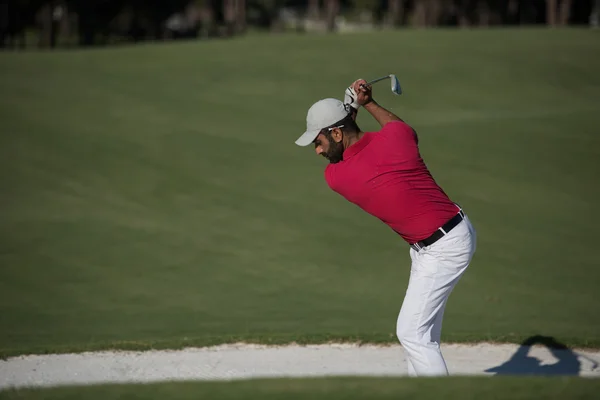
102 22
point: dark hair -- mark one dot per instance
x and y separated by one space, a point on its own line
349 126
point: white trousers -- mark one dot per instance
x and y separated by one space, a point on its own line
434 272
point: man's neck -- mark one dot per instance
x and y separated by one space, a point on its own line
350 140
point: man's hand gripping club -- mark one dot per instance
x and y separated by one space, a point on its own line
360 94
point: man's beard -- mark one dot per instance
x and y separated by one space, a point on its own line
336 151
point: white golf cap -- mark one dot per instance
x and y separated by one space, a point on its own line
322 114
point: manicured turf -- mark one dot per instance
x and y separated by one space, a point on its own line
335 388
153 195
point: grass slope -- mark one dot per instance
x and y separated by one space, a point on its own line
153 195
462 388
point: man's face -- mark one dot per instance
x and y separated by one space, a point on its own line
327 146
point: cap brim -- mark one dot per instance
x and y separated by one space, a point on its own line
307 138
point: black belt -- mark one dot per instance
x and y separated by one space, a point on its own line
441 232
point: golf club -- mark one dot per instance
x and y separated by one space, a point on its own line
395 84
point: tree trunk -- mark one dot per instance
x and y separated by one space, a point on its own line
207 20
314 11
395 13
433 12
332 11
551 12
229 12
65 28
85 27
240 16
565 12
44 19
462 17
512 12
420 13
595 14
57 17
483 13
6 24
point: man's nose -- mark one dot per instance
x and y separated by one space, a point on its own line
319 150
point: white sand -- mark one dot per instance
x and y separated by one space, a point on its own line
242 361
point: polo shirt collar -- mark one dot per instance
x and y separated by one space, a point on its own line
358 146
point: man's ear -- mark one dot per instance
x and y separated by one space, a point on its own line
337 134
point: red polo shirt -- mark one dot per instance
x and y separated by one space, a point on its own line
383 173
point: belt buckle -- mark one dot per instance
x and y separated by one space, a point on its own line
416 246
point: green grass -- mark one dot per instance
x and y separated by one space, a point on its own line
461 388
153 195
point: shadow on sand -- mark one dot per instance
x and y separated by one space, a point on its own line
521 363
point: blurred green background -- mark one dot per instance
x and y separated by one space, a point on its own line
457 388
154 196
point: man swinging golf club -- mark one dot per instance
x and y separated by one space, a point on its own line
383 173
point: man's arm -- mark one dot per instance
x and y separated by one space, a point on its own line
380 114
364 97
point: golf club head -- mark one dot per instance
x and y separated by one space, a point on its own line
396 89
395 83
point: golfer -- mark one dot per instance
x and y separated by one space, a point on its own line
383 173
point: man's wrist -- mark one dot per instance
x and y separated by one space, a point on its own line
372 103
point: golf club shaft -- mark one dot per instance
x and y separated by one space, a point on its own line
377 80
396 89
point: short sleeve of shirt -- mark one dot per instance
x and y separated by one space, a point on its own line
329 176
399 128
